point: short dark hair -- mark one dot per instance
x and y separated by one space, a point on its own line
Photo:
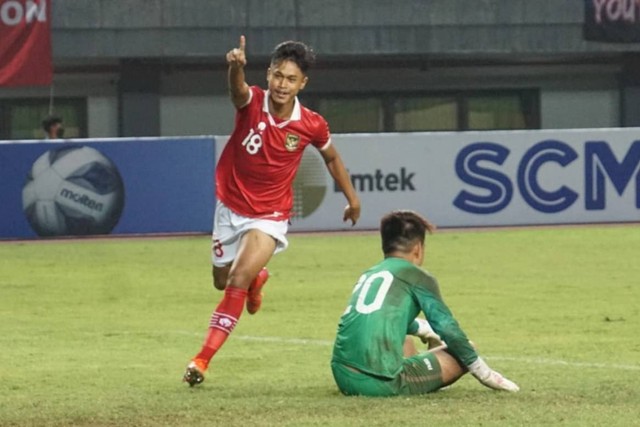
50 121
298 52
402 229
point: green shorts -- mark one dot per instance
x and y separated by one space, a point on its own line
420 374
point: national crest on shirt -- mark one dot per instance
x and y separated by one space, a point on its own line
291 142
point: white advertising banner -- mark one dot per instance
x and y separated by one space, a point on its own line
462 179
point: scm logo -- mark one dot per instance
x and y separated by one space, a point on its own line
600 164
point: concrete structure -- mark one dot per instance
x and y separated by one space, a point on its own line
156 67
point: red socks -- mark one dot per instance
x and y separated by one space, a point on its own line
222 322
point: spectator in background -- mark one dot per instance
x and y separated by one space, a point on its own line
53 127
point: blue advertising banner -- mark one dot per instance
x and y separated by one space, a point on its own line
109 186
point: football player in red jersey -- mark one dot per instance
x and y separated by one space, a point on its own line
254 178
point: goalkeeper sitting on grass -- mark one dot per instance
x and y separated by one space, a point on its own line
371 356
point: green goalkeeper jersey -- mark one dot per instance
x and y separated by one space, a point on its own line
384 303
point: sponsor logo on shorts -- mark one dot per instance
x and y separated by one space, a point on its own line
428 363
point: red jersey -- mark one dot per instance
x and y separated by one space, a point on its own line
255 173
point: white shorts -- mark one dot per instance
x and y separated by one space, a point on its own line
228 228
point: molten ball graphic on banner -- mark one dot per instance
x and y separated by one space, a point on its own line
73 191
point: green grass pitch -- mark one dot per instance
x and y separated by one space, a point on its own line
98 332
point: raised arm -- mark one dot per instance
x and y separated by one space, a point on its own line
239 90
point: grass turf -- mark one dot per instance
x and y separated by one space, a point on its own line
97 332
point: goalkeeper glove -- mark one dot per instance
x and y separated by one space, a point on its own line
425 333
491 378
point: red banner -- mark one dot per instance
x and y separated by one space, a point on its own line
25 43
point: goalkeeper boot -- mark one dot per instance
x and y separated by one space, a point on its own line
194 374
254 297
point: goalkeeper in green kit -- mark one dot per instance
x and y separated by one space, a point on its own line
371 355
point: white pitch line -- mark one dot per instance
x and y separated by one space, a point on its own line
530 360
300 341
542 361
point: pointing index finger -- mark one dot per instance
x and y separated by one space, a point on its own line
243 43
